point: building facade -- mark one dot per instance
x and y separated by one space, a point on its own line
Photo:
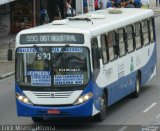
5 16
23 14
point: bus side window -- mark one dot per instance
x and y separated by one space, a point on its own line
104 49
145 32
151 30
112 46
121 42
138 37
130 38
95 59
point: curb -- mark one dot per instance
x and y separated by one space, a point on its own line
7 75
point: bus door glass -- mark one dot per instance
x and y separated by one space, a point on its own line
95 59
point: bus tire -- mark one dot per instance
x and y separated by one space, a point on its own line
102 114
37 119
137 87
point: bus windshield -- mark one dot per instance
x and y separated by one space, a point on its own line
52 66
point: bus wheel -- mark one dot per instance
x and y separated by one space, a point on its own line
137 87
102 114
37 119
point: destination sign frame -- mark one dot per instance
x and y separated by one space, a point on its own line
52 38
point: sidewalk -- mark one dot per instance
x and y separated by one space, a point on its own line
153 6
7 68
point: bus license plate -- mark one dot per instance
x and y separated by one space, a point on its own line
53 112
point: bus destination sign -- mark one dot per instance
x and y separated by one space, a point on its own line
51 38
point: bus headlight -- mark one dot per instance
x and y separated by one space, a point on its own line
83 98
23 99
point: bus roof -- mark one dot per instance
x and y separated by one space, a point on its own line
104 22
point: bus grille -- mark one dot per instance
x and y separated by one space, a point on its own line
52 97
53 94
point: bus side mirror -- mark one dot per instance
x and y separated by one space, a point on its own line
10 55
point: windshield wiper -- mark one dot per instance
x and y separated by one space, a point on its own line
60 54
39 52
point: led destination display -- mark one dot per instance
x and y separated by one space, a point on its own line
50 38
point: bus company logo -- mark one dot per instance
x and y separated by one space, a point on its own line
52 94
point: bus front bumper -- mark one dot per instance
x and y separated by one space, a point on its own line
81 110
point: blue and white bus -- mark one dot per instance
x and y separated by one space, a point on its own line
79 66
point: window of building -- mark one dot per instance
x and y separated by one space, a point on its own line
145 32
121 41
4 9
21 15
138 35
130 38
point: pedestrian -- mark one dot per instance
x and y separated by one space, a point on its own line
70 11
117 3
157 2
85 6
98 4
109 4
137 3
130 5
43 16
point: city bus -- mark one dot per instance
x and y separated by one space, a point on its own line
80 66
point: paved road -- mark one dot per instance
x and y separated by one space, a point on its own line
141 111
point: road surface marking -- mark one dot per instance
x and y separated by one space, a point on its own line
158 116
123 128
151 106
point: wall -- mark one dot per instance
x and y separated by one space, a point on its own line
4 19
